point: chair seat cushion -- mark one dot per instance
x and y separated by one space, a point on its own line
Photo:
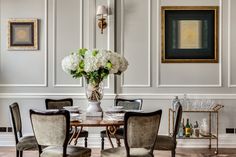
27 143
165 143
121 152
119 133
72 151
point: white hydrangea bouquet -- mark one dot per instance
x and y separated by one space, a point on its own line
94 66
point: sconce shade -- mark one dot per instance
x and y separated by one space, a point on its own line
102 10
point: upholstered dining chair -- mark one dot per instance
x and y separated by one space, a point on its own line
169 142
51 129
141 130
127 104
59 104
22 142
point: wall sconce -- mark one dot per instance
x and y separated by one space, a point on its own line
102 12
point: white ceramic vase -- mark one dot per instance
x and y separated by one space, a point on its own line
94 106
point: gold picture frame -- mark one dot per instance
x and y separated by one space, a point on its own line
189 34
23 34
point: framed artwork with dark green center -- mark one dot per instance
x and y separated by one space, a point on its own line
22 34
189 34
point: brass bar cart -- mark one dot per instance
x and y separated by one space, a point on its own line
210 112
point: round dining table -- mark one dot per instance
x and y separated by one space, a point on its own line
111 126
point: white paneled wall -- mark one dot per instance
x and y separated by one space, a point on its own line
28 77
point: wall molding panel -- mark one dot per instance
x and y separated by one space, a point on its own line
45 83
123 85
158 58
93 23
229 45
159 85
92 33
230 85
92 38
81 14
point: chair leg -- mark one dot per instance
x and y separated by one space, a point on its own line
118 142
17 153
85 142
102 143
21 153
173 153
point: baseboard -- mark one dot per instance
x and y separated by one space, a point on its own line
94 141
7 139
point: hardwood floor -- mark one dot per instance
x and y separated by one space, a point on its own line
10 152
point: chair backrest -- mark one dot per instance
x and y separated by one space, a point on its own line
58 103
141 130
16 120
178 117
51 127
129 104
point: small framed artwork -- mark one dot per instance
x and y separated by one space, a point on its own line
189 34
23 34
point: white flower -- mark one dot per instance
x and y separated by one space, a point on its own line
87 63
102 58
123 64
70 62
115 61
90 62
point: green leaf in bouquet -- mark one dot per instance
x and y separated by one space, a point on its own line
82 51
95 52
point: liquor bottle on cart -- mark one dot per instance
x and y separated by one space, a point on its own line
187 129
